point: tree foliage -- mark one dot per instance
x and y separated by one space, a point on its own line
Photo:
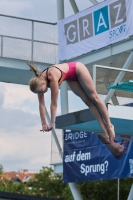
1 169
47 184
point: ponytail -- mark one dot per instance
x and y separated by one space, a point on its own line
37 80
35 70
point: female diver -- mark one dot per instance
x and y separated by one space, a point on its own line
80 82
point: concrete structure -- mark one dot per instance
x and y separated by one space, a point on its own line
121 117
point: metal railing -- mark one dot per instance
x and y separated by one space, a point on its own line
28 39
104 76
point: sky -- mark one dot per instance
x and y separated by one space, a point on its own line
22 145
45 10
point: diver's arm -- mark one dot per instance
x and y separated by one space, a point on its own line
42 111
54 98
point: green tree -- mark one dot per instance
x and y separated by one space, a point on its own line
66 193
1 169
103 190
47 184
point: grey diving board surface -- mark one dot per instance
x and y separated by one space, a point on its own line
121 117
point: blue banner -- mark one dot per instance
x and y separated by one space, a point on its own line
88 157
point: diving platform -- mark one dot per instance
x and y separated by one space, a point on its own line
125 86
121 117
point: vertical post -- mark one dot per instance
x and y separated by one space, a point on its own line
119 77
63 87
32 42
1 46
118 189
64 100
60 9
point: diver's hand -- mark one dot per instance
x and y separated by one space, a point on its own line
46 127
50 127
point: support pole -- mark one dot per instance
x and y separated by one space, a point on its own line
130 196
75 191
93 2
119 77
113 98
60 9
64 100
118 189
74 6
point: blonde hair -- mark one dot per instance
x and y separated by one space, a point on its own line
35 81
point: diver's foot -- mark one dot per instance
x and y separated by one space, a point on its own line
106 137
111 133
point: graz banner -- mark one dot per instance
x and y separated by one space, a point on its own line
89 157
96 27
